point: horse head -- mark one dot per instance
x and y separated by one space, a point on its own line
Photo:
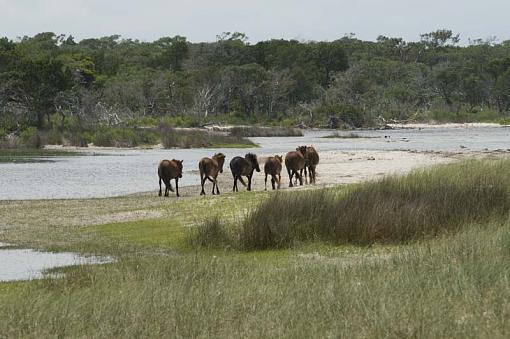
179 166
252 158
302 150
220 159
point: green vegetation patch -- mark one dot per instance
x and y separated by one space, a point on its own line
443 288
165 233
398 209
32 154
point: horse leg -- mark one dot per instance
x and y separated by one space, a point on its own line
166 190
312 173
213 186
300 177
249 182
177 186
265 183
291 173
235 184
216 183
202 182
273 181
160 186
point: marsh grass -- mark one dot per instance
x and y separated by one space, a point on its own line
212 233
396 209
179 138
32 154
255 131
351 135
124 137
445 288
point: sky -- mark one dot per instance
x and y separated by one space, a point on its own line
202 20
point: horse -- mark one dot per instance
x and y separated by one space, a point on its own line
243 166
168 170
295 163
273 167
209 169
311 160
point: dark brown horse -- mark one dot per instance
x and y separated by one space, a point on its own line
244 167
273 167
209 169
311 161
168 170
295 163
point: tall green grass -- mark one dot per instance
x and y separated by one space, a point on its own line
396 209
447 288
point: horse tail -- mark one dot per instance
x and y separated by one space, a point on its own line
201 168
242 181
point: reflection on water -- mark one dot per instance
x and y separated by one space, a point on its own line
131 171
26 264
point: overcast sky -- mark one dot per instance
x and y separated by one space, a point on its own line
202 20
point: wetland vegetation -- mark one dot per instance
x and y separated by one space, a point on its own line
413 264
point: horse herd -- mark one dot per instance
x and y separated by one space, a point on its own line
304 158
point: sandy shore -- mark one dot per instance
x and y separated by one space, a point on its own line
345 167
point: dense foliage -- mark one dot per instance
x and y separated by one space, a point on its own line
50 81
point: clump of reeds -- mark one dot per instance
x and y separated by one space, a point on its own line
213 233
256 131
193 138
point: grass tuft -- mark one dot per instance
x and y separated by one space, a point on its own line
212 233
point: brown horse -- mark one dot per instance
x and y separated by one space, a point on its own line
168 170
311 161
273 167
209 169
244 166
295 163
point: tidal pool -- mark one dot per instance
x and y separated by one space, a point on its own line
27 264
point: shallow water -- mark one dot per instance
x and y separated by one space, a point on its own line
131 171
27 264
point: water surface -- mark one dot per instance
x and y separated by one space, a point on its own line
130 171
27 264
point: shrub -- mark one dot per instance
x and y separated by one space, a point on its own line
124 137
54 137
115 137
30 137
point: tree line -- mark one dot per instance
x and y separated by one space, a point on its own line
52 81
